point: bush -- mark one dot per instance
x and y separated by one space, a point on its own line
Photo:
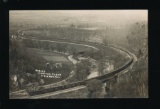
82 70
94 88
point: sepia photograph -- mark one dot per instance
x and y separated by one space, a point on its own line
80 54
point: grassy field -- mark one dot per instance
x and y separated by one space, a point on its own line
56 58
51 56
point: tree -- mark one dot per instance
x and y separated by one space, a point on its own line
137 35
94 88
134 83
72 26
105 40
73 50
100 67
82 71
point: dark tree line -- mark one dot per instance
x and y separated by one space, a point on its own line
94 88
82 70
135 82
24 61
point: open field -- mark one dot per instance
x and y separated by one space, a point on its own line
56 58
51 56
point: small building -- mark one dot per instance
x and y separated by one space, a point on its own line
13 36
58 65
15 78
47 64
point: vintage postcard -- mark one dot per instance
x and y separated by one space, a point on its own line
78 54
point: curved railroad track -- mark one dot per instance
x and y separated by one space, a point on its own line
106 77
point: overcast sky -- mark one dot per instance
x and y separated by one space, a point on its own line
117 16
110 13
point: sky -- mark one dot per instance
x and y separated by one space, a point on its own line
109 13
115 16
